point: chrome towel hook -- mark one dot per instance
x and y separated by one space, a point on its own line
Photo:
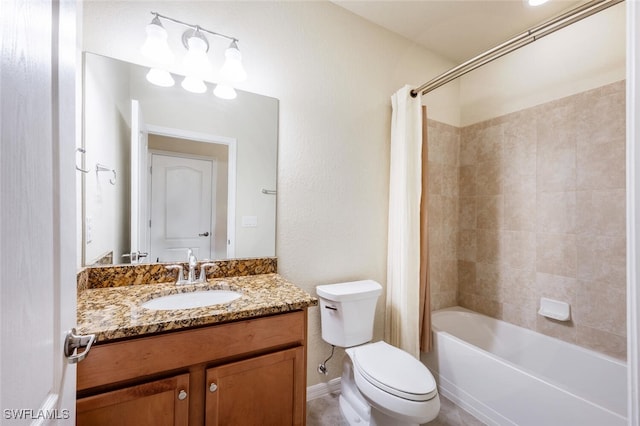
103 168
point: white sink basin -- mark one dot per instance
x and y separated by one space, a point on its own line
194 299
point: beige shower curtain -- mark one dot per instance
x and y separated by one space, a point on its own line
425 289
407 322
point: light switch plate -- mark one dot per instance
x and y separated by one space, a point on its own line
249 221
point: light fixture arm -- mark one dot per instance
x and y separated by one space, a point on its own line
195 28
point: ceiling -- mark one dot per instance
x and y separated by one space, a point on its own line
457 29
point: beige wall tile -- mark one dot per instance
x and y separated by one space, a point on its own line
449 245
489 307
601 307
490 212
601 113
519 250
488 246
560 330
435 212
450 213
489 283
490 143
467 181
468 147
602 341
520 315
436 176
556 254
556 212
557 169
520 211
599 164
519 152
466 276
556 287
489 178
467 245
467 213
515 181
601 212
555 127
449 181
519 287
443 300
601 258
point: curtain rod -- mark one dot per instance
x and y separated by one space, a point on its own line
522 39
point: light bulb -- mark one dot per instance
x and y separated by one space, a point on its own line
196 62
160 77
536 2
224 91
155 46
193 84
232 70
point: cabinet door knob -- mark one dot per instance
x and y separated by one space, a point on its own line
213 387
182 395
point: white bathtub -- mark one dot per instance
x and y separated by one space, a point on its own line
508 375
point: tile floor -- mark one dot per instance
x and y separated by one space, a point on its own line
325 412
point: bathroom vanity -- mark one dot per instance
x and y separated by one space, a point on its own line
243 362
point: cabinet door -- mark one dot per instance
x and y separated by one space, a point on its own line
158 403
261 391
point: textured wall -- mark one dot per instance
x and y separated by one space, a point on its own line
542 214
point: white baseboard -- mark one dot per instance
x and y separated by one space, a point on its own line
323 389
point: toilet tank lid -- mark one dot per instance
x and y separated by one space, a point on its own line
353 290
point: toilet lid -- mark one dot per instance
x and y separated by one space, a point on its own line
394 371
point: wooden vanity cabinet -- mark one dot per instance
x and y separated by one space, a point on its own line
160 402
245 392
250 372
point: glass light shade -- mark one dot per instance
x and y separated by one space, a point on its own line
160 77
536 2
155 47
193 84
196 61
232 70
224 91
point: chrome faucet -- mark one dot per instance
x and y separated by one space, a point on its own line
203 271
191 276
193 262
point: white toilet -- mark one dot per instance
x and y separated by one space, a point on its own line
380 384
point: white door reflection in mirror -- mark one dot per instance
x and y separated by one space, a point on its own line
181 207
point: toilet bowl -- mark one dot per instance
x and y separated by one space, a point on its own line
381 384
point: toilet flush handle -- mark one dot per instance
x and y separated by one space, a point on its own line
333 308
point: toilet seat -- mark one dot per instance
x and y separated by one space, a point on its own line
394 371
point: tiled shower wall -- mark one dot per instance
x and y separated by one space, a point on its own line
444 147
541 213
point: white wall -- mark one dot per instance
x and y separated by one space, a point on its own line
334 74
582 56
106 138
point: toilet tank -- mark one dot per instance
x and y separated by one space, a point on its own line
347 312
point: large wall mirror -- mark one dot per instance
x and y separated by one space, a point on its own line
166 170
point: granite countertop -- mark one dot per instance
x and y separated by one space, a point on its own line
115 312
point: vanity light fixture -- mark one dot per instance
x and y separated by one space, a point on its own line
196 61
536 2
